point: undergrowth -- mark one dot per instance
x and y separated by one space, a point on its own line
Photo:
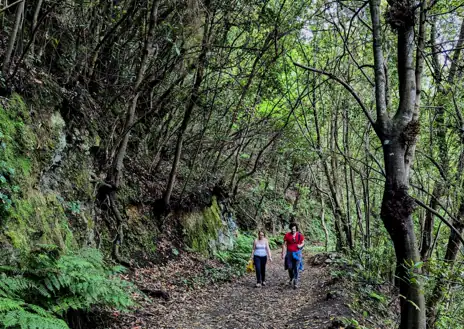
451 310
368 276
40 292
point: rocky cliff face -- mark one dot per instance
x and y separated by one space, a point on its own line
46 190
49 182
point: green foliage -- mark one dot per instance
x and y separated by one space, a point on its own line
352 323
49 284
452 312
275 241
237 257
374 265
369 276
38 218
16 314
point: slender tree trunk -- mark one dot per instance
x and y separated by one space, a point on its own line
366 192
442 285
337 194
34 24
337 210
340 227
441 186
12 40
429 222
348 176
115 176
324 226
194 96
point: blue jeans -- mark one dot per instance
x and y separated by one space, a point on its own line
260 266
293 266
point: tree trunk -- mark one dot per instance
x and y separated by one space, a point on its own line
351 236
396 213
441 186
324 226
398 137
34 25
427 232
442 285
341 229
366 197
194 95
12 41
115 176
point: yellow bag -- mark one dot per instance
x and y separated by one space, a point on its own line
250 266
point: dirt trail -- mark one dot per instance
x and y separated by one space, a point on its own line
240 305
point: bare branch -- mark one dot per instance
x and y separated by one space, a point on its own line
345 85
423 205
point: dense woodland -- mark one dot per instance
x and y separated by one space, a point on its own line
344 116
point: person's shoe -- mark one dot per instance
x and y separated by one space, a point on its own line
290 282
294 283
264 283
258 285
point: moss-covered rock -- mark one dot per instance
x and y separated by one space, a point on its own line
141 230
201 228
38 218
29 214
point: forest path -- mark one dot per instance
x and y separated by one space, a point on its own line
240 305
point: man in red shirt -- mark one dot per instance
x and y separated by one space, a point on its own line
291 252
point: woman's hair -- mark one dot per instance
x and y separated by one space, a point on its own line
259 232
293 225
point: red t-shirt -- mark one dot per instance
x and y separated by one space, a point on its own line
292 245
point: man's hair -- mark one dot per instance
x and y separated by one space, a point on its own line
292 225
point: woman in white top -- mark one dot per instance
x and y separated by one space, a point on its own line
260 253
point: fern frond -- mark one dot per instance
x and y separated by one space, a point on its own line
8 304
28 320
49 285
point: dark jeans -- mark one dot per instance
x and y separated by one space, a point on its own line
293 272
260 266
